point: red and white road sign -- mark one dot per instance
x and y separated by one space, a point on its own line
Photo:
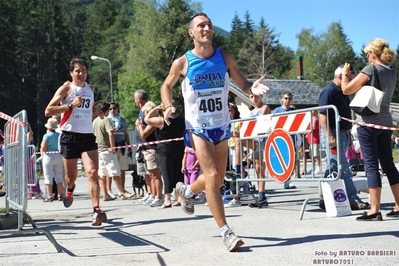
280 155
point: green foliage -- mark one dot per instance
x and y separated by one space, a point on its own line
128 84
99 41
249 24
8 54
140 57
323 52
37 46
157 36
141 39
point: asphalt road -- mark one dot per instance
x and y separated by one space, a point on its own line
141 235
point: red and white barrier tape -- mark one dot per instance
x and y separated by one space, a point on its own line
369 125
12 119
132 145
149 143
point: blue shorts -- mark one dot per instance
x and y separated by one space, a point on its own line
213 135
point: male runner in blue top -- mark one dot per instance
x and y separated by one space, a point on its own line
205 71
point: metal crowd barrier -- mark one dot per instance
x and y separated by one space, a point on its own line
18 168
255 131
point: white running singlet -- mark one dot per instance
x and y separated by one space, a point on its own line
79 119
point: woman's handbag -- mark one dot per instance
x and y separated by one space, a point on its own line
368 99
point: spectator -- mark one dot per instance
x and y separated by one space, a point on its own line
140 99
2 186
332 94
354 153
258 147
52 161
121 140
107 159
147 133
286 100
234 153
313 139
170 154
191 169
376 143
232 142
34 189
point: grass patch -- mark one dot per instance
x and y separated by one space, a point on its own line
395 155
3 210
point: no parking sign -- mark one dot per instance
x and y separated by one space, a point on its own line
280 155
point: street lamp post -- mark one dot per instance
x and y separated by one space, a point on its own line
93 57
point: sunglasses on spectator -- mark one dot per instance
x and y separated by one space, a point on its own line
112 108
288 98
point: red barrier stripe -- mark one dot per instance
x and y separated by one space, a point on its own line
281 121
297 122
250 128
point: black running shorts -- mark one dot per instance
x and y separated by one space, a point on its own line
74 144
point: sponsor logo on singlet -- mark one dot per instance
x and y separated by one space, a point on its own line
212 80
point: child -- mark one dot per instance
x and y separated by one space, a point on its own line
191 170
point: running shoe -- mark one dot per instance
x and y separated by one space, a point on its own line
68 199
259 203
156 203
233 203
148 195
231 241
148 201
187 203
288 185
99 217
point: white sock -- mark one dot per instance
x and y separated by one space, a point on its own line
189 193
224 229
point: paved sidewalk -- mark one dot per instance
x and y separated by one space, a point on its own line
141 235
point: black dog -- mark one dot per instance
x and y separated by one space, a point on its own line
138 183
